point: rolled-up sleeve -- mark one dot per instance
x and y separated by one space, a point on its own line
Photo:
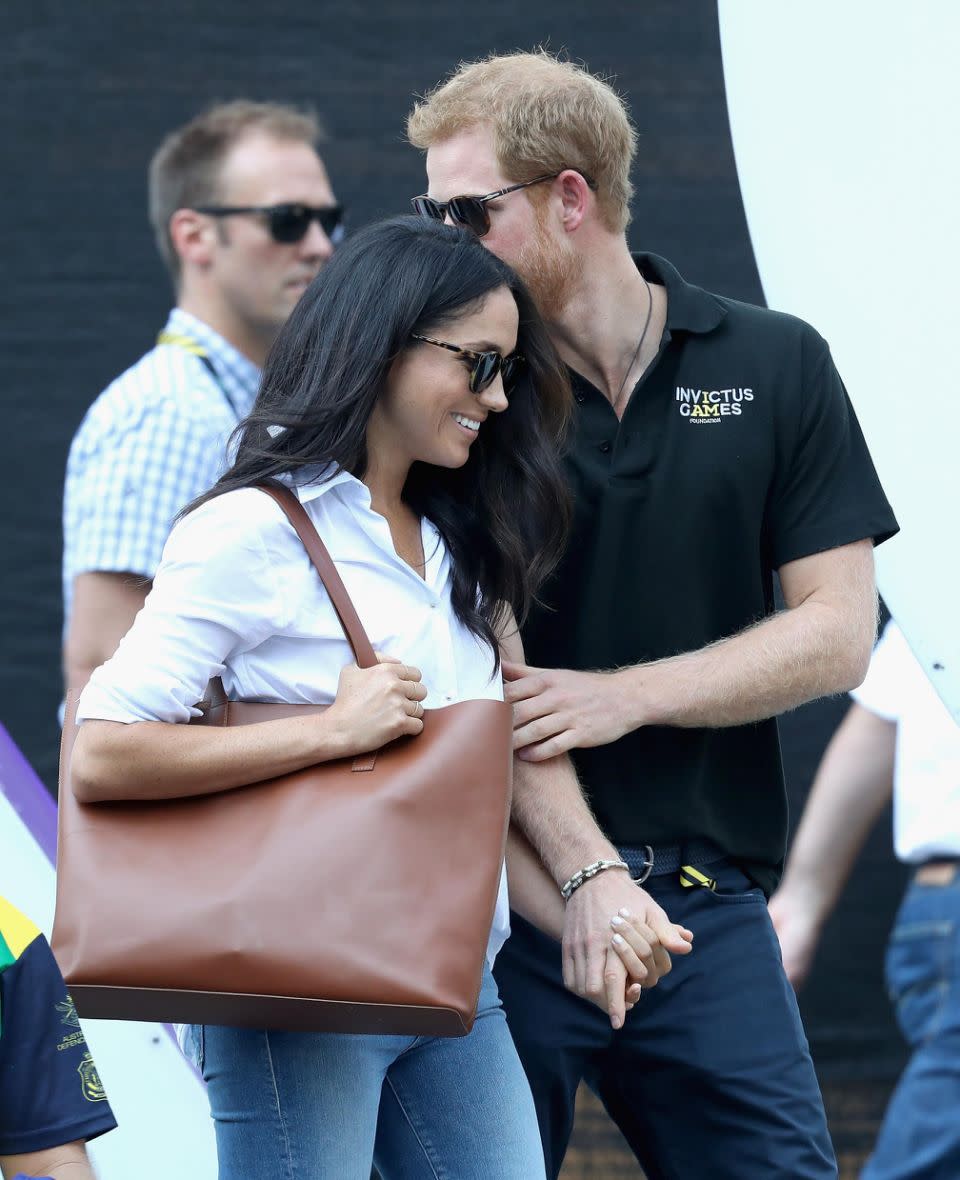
215 595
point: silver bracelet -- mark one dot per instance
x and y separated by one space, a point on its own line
584 874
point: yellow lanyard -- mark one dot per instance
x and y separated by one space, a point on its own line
188 344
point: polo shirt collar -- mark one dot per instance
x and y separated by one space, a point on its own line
689 308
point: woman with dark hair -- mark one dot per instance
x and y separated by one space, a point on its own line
414 403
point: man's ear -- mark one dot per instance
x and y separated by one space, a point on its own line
194 237
576 197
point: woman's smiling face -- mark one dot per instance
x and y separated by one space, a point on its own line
428 413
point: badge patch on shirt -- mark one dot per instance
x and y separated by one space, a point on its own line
712 405
70 1019
90 1082
68 1013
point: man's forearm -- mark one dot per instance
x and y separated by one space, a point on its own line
818 646
550 809
853 783
104 607
792 657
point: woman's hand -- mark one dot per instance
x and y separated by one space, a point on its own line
376 705
155 760
630 945
624 966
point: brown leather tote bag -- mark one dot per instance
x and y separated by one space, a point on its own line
353 896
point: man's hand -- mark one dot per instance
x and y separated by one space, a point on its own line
597 970
555 710
798 931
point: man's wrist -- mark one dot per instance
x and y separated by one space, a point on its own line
580 853
638 695
588 872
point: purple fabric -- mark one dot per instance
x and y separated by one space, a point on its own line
27 795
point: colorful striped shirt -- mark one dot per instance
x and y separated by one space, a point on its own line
50 1091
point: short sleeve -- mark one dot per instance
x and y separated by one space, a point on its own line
50 1091
827 493
124 485
215 595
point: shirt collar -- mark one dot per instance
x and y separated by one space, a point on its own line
313 482
689 308
232 367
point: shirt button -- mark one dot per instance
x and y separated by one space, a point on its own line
605 447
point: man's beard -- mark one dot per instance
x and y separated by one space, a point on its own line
551 272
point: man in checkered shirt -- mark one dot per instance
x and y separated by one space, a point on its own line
244 217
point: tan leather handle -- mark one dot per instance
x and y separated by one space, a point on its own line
349 619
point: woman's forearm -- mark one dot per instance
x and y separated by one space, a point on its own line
153 760
533 893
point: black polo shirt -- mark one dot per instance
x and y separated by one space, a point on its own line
739 451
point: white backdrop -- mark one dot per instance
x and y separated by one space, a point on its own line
845 116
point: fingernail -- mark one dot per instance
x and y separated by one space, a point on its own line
616 920
618 941
624 913
615 1021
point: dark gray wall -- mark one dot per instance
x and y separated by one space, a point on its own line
89 92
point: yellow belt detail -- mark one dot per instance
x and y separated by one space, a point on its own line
692 878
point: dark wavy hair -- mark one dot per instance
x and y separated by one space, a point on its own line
504 514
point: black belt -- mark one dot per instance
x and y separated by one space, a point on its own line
661 859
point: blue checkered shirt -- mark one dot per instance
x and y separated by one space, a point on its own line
152 441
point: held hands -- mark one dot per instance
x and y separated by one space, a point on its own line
555 709
604 958
376 705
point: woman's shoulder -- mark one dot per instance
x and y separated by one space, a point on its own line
244 518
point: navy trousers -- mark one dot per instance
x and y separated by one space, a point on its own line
711 1075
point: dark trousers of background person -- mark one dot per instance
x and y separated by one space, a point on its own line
710 1076
920 1136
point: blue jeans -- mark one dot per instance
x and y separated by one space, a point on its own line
326 1106
710 1077
920 1136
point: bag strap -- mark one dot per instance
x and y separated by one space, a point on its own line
323 562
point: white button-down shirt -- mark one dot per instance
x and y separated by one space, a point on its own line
237 596
152 441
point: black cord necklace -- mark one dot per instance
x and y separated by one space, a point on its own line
643 336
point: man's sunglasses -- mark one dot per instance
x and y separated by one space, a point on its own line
470 212
485 365
287 223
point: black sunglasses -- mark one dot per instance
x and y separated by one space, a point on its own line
486 365
470 212
288 223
